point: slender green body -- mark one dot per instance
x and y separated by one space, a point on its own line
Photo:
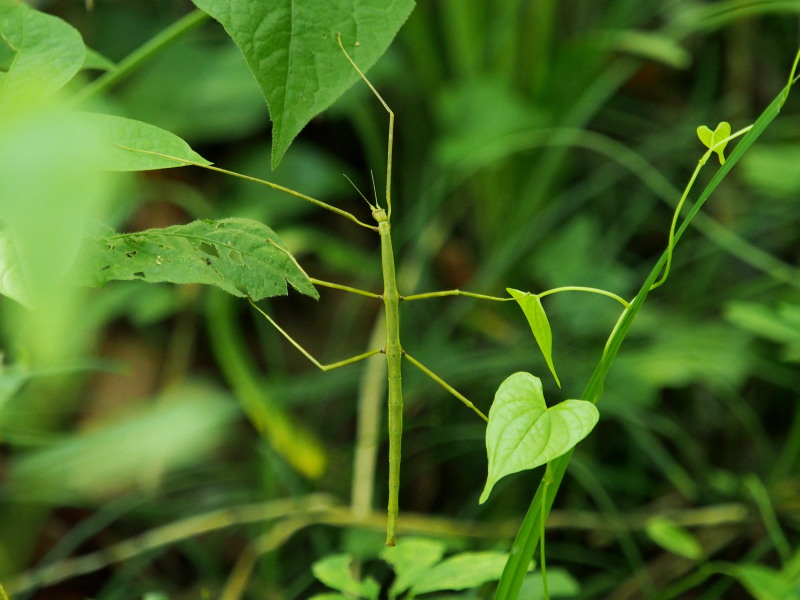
394 356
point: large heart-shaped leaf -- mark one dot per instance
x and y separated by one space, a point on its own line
531 305
291 48
523 433
709 138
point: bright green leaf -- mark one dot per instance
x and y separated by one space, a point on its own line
462 572
674 538
291 47
710 138
331 596
241 256
540 326
523 433
334 571
411 558
49 52
131 142
560 584
763 583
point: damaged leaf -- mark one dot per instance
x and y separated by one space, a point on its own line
241 256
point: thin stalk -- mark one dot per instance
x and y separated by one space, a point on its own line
445 385
578 288
344 288
274 186
304 352
452 293
141 55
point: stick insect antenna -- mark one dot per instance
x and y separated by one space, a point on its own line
391 128
371 207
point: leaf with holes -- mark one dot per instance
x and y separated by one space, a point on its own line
531 305
523 433
241 256
291 48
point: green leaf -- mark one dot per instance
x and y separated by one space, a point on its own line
523 433
291 47
179 429
763 583
709 138
462 572
673 538
241 256
540 326
48 51
130 143
334 571
559 583
411 558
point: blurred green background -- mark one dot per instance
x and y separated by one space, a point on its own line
538 144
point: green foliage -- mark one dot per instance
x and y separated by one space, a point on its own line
674 538
531 305
715 140
243 257
419 569
523 433
291 49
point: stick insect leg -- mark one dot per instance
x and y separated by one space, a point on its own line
444 384
454 293
305 353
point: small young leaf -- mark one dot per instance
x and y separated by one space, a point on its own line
411 558
49 52
241 256
462 572
334 571
709 138
523 433
126 136
540 326
674 538
291 49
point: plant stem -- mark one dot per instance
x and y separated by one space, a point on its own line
578 288
141 55
452 293
344 288
445 385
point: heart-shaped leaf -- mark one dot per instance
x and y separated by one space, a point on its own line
540 326
710 138
523 433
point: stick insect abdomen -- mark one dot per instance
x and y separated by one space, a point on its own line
394 355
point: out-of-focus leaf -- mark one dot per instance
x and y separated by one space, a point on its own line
648 45
241 256
334 571
462 572
560 584
48 52
292 50
125 137
773 168
411 558
763 582
97 62
180 429
523 433
674 538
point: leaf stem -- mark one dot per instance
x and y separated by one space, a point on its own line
700 164
274 186
142 54
453 293
445 385
578 288
304 352
344 288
